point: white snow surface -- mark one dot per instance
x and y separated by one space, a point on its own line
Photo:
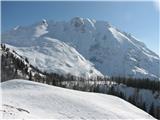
22 99
114 52
54 56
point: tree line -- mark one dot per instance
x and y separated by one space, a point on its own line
144 83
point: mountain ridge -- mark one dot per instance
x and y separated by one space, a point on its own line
114 53
53 56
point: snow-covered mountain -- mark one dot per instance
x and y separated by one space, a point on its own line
24 99
51 55
114 53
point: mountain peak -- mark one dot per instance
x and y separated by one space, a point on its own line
114 52
16 28
44 22
83 23
41 29
77 21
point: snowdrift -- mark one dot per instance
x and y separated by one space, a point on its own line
24 99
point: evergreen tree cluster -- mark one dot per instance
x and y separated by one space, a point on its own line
14 66
145 83
11 65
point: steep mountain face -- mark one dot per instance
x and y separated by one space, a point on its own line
53 56
114 53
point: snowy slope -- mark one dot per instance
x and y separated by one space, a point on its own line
114 53
25 99
54 56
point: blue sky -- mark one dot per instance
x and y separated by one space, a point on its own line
139 18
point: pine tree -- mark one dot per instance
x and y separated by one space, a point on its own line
30 75
144 106
26 60
157 114
151 110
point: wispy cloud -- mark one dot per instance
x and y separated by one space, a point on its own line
157 4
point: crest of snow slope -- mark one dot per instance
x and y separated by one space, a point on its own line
25 99
54 56
114 53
